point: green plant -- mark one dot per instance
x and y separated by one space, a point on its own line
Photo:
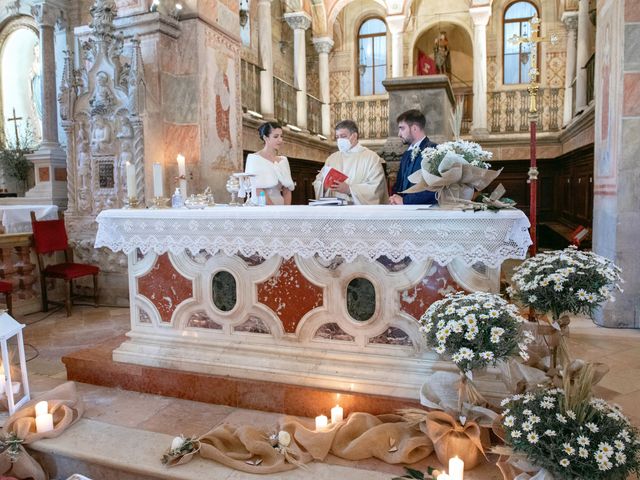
13 157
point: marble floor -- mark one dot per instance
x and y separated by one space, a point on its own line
50 336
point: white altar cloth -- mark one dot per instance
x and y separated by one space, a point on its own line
17 218
370 231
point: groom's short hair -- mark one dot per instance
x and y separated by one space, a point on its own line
413 117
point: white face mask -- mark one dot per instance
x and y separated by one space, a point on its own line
344 145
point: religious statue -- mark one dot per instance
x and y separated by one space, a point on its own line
35 80
102 99
125 130
100 135
441 54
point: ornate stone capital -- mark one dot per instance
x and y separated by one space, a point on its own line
323 44
298 20
12 8
45 15
396 23
570 20
480 15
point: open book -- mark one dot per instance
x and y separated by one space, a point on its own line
331 175
327 201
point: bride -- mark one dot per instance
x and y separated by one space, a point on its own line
272 173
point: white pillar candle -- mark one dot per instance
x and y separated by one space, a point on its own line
158 190
131 180
182 171
15 387
44 423
443 476
456 468
337 414
42 408
321 422
3 381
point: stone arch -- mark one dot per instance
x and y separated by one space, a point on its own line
340 5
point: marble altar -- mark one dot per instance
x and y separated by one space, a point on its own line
327 297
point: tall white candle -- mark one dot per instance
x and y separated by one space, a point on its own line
44 423
337 414
182 171
456 468
131 180
443 476
158 188
321 422
42 408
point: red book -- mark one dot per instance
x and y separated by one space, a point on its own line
331 175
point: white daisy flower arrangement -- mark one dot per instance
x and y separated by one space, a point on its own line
592 441
470 151
475 330
565 281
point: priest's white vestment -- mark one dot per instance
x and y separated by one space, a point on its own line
366 176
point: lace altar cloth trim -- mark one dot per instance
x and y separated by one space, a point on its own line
369 231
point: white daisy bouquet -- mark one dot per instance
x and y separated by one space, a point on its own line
475 330
454 170
588 440
471 152
565 281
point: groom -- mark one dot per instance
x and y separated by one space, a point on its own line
411 130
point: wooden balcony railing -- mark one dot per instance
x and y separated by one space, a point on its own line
284 101
372 116
509 110
250 86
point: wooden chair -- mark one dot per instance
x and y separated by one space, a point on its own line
50 236
7 289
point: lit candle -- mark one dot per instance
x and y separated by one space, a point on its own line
456 468
443 476
158 190
337 414
42 408
15 387
44 423
321 422
131 180
181 165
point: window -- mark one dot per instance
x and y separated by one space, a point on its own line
517 58
372 57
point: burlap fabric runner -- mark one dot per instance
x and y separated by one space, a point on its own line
386 437
66 407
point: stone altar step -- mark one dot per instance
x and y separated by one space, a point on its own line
103 451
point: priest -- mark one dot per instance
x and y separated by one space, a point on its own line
365 182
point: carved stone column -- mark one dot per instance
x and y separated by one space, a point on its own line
45 15
570 20
583 52
265 43
396 28
299 23
480 17
323 47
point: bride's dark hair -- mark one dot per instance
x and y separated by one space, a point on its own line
265 129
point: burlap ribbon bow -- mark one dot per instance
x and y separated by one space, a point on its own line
66 407
451 438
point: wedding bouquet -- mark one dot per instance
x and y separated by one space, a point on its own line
565 281
588 440
475 330
454 170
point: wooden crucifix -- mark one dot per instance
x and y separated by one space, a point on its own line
15 126
532 41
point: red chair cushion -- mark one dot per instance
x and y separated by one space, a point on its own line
5 287
49 235
69 271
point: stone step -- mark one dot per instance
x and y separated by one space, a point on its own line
102 451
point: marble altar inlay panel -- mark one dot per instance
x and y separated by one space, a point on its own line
332 331
253 325
290 295
202 320
143 316
392 336
165 287
434 286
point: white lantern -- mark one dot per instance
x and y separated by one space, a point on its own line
13 376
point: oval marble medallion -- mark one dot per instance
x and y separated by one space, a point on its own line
223 290
361 299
